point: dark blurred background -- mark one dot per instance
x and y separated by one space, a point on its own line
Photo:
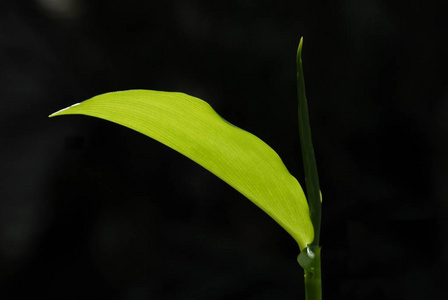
91 210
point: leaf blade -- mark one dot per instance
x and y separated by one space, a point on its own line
191 127
309 159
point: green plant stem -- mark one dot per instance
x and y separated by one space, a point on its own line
313 282
309 259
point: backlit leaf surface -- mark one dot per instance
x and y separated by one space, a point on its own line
191 127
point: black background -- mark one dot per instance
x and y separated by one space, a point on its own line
91 210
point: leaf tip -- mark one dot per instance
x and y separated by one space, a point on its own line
61 111
299 50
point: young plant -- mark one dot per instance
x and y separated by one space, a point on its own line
191 127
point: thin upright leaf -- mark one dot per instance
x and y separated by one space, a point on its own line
309 160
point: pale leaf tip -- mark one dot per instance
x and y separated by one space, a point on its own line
62 110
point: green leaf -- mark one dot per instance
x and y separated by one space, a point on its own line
309 160
191 127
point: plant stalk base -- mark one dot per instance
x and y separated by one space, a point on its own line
309 260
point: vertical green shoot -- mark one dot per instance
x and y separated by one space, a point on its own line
309 160
309 259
